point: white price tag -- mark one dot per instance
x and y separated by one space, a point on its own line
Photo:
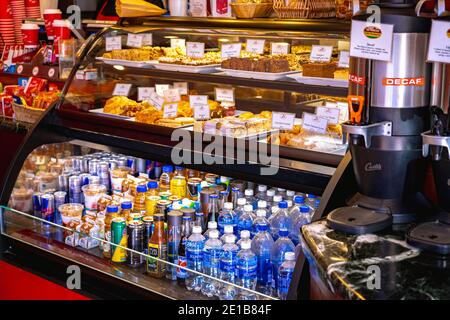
200 106
277 48
122 89
172 95
144 93
113 43
135 40
147 39
230 50
343 112
344 59
321 53
182 87
283 120
439 45
170 110
160 88
195 49
331 114
255 46
371 41
313 123
198 8
177 43
224 94
156 100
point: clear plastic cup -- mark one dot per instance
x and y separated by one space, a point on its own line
92 193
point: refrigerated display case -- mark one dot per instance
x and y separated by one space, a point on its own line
134 125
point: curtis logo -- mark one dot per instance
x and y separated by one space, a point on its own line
370 167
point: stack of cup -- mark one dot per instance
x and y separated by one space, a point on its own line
61 31
50 15
30 35
18 7
33 9
6 25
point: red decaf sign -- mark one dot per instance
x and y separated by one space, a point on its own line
357 79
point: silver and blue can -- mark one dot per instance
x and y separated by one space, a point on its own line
48 207
93 166
123 161
75 189
37 204
63 182
94 180
60 199
131 163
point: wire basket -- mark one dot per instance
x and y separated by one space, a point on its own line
304 9
251 10
24 114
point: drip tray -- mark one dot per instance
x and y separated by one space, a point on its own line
357 220
431 236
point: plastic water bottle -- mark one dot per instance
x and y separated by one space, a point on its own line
280 220
260 219
211 261
246 266
227 269
281 246
269 198
194 257
227 217
302 219
245 235
262 245
250 197
261 193
164 179
289 204
212 225
241 202
274 209
290 195
317 203
245 222
285 273
228 231
294 212
311 201
281 192
262 205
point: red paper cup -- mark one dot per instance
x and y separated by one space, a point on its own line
32 3
62 31
51 15
5 10
30 34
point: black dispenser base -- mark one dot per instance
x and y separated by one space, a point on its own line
357 220
431 236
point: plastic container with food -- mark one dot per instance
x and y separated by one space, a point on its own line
117 176
21 200
48 181
70 211
92 193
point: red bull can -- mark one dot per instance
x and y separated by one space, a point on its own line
37 204
48 207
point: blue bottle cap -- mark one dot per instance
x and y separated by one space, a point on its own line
304 209
112 209
283 232
152 185
141 188
262 227
317 203
311 196
167 169
282 205
126 205
178 168
299 199
214 196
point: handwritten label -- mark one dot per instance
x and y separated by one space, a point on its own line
147 39
170 110
177 43
330 114
160 88
231 50
255 46
283 120
156 100
224 94
195 49
321 53
200 106
172 95
343 111
135 40
113 43
122 89
371 40
313 123
344 59
144 93
182 87
277 48
439 47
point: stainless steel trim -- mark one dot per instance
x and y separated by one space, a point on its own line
367 132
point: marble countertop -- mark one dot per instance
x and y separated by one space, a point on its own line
370 266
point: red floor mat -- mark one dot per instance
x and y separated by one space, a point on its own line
17 284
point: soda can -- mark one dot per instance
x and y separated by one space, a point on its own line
193 187
84 164
123 162
103 174
75 189
113 164
205 193
63 182
141 165
84 179
60 199
93 166
94 180
76 163
211 178
174 198
165 195
118 237
149 226
135 217
162 207
131 163
48 207
135 234
148 167
37 204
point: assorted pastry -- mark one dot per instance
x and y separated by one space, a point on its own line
142 54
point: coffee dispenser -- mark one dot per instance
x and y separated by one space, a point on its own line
389 109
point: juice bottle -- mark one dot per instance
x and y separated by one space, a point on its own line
152 188
139 200
126 209
191 173
151 198
178 186
166 176
157 248
180 171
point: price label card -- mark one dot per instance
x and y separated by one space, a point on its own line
343 114
172 95
147 39
224 94
122 89
113 43
160 88
321 53
144 93
255 46
283 120
277 48
344 59
195 49
200 106
331 114
439 45
182 87
156 100
177 43
371 40
135 40
230 50
313 123
170 110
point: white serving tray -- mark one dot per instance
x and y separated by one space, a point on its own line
128 63
184 68
319 81
100 111
256 75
